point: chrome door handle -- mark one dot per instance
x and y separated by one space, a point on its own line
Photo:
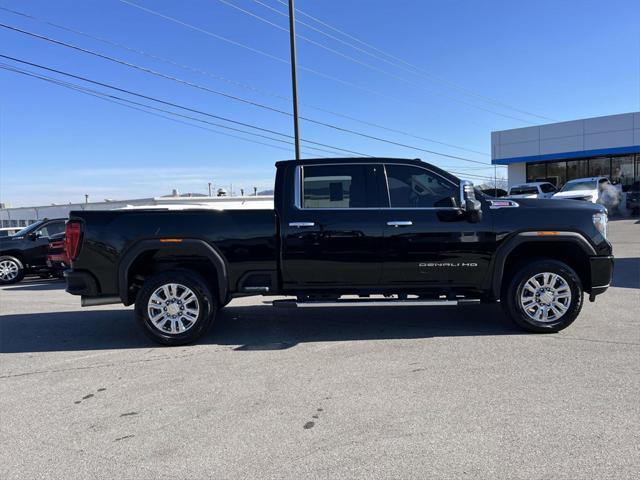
400 223
302 224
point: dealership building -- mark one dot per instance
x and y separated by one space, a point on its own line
557 152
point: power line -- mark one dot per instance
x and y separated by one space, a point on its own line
142 107
252 49
419 70
174 105
234 82
233 97
274 57
365 64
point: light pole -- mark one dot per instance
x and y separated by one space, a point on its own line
294 81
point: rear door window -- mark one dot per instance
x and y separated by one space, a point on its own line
338 186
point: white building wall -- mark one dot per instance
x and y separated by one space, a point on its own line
517 173
22 216
608 132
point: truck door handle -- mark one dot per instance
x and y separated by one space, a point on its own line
400 223
302 224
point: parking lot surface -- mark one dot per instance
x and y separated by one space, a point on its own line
327 393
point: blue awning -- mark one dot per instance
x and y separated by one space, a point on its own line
550 157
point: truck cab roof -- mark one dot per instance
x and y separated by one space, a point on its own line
346 160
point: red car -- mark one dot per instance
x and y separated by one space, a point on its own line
57 258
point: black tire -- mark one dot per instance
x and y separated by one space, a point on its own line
206 305
514 307
14 276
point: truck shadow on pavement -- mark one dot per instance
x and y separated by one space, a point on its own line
626 272
37 285
252 327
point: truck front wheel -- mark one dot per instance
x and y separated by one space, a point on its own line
544 296
175 307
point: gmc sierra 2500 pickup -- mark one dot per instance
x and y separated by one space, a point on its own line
402 230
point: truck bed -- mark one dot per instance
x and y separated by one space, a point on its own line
246 239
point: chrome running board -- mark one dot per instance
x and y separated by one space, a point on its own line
373 303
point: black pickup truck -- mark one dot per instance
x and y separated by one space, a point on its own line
345 232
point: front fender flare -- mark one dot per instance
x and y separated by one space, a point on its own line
506 248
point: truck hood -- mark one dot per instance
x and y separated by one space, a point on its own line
576 194
523 195
557 204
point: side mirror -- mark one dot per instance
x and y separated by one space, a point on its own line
468 202
32 236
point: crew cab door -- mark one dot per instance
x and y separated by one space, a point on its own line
428 240
331 233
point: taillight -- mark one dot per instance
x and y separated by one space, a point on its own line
72 236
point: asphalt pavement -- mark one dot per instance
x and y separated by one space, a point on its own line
322 393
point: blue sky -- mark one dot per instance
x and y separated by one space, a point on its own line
483 66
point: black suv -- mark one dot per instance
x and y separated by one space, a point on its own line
26 251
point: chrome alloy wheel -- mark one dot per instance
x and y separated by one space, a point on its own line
173 308
9 270
545 297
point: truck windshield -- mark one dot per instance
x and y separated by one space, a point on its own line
580 185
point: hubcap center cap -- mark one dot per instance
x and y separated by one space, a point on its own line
173 309
546 298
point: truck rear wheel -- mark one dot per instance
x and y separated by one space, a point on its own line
544 296
175 307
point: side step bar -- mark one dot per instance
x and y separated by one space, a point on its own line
373 303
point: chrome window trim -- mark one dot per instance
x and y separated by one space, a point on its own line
298 186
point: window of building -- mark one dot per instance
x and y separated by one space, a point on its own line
557 173
622 171
600 166
413 187
335 186
577 169
536 172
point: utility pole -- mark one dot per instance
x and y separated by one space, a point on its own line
86 198
294 81
209 188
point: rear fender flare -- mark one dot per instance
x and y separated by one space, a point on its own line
192 246
505 249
